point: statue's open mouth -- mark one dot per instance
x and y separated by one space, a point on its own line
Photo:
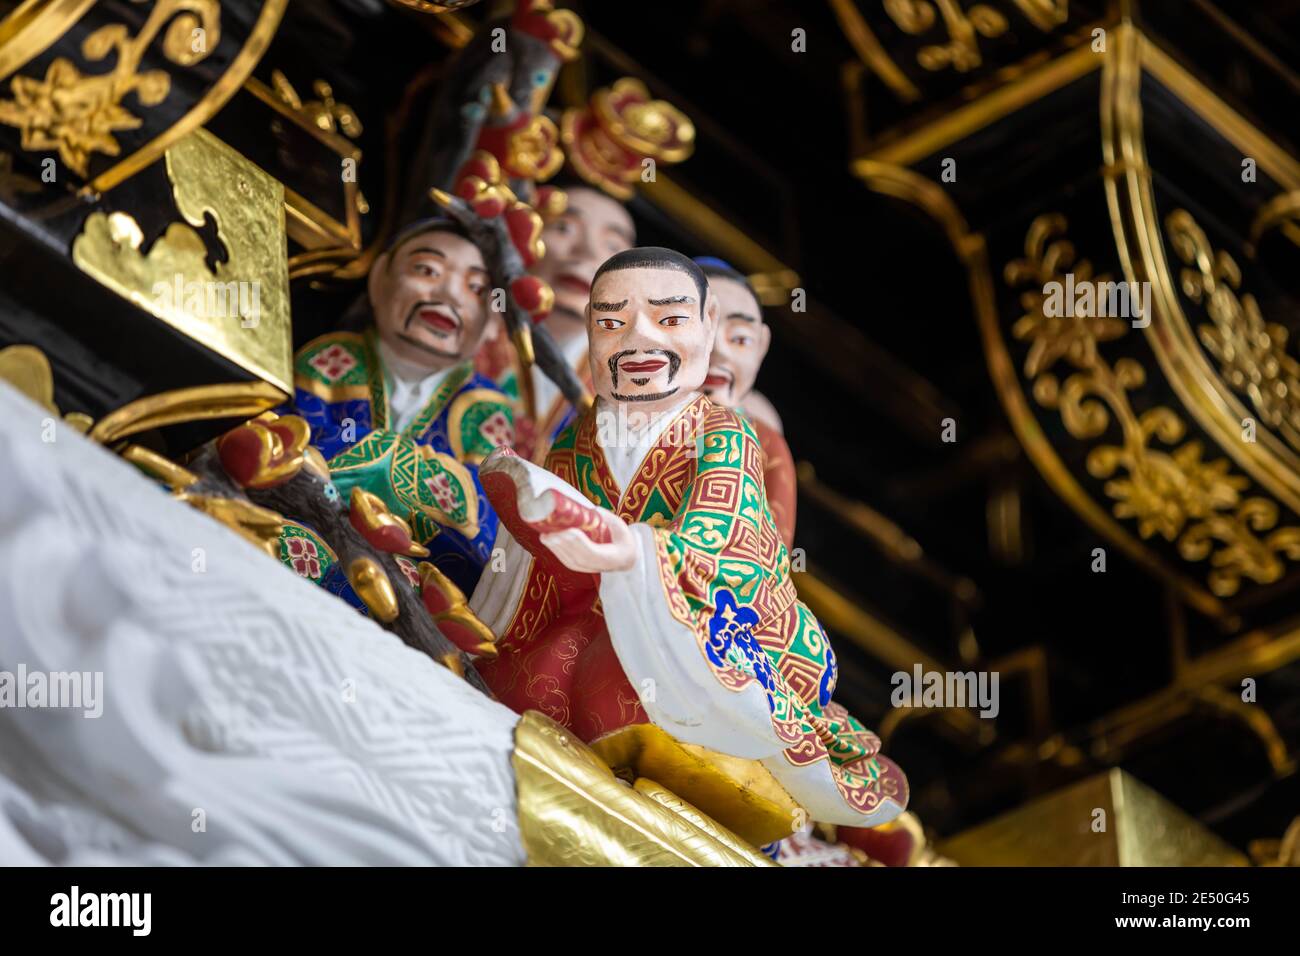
439 320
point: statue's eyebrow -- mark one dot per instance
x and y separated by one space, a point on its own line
608 306
672 300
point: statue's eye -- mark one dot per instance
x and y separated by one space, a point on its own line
608 323
673 320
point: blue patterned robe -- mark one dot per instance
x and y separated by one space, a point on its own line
427 473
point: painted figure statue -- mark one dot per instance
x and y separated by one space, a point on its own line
398 411
646 583
738 351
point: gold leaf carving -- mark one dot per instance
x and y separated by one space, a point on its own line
77 114
965 27
326 113
573 811
1251 352
1200 505
1047 15
238 307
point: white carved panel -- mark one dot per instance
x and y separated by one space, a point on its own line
240 695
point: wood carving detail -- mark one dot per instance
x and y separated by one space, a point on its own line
1201 506
77 114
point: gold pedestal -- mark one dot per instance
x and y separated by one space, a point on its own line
1106 820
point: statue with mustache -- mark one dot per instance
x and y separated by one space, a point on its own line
398 411
646 601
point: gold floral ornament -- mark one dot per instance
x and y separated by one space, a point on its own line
1173 488
325 113
561 30
77 114
1201 506
526 145
1053 337
1252 353
609 140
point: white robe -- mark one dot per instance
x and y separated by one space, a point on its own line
409 387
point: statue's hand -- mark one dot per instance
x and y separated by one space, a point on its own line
577 552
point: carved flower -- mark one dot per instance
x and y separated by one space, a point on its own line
444 494
304 557
1055 337
77 114
1164 492
409 569
534 149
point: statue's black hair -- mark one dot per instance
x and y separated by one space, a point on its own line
431 224
656 257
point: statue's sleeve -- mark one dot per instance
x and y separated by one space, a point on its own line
681 618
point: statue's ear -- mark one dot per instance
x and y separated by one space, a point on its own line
710 316
377 280
764 339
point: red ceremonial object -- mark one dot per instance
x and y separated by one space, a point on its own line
501 485
525 228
